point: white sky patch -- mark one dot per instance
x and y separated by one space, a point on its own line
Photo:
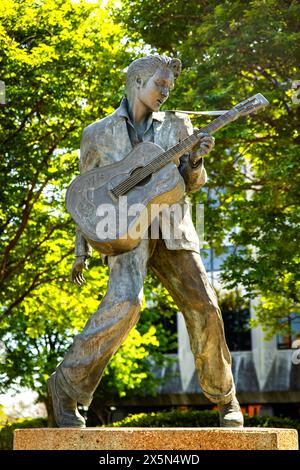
22 405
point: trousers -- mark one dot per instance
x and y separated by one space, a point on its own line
183 274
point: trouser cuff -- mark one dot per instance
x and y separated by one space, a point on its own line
82 398
220 399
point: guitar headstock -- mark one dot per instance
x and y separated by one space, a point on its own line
251 105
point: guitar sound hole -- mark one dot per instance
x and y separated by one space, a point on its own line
144 181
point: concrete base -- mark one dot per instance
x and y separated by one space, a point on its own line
156 439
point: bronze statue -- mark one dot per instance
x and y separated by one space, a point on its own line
175 261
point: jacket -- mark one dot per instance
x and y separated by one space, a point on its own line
107 141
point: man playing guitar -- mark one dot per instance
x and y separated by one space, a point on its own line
176 262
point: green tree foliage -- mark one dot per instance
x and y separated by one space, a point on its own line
230 51
53 57
63 66
56 60
7 430
3 416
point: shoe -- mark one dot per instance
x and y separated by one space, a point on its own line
231 415
65 409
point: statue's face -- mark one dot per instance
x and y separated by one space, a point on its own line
156 90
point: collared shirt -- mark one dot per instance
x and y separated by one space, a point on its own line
135 137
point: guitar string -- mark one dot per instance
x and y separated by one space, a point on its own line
153 166
143 173
159 161
172 152
147 170
156 164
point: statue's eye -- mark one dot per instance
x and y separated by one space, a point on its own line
161 84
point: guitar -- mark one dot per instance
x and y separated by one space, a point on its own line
114 205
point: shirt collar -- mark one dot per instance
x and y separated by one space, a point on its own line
123 111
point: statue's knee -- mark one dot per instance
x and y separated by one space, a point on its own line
133 300
128 297
214 316
121 294
210 310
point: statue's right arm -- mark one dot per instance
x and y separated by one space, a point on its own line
83 250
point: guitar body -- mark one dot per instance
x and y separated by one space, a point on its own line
114 225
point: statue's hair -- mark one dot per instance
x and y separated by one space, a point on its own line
145 67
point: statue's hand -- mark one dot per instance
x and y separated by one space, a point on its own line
207 143
76 272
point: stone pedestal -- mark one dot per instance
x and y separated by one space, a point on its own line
156 439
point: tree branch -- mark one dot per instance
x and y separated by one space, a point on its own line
13 268
35 283
22 125
31 198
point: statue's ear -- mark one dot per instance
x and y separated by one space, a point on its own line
176 67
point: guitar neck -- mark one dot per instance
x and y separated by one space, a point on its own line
188 143
246 107
174 152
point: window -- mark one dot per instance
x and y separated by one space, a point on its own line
286 340
236 324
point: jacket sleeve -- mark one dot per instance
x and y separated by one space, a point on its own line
82 247
194 176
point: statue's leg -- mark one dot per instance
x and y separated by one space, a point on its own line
183 274
82 367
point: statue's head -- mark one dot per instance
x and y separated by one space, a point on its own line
151 78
